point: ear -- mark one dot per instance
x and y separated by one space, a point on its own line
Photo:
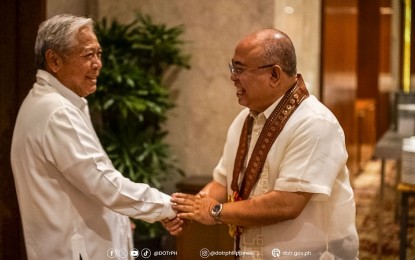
276 74
53 60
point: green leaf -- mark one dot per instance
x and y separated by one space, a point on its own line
132 100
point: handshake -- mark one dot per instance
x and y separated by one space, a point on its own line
190 208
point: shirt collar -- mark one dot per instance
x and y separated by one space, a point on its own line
45 78
271 108
267 111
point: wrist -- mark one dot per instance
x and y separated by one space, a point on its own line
215 213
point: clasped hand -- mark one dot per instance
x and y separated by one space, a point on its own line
190 207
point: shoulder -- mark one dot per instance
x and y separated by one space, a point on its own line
314 109
315 117
48 99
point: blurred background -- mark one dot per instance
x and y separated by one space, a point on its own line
352 54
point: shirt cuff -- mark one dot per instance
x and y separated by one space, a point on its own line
168 212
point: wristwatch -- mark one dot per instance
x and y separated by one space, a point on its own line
215 212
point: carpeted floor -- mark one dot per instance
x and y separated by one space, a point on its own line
371 215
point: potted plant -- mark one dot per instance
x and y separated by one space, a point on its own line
131 101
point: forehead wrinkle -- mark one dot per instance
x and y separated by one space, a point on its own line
86 40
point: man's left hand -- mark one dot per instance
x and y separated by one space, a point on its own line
194 207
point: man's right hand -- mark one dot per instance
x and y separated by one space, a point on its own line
175 226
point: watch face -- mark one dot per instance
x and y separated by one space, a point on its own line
216 208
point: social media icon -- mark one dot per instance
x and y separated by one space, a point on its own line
112 253
145 253
123 253
276 252
134 252
204 253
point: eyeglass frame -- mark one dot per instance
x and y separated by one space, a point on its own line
234 70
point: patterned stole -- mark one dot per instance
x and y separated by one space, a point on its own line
272 128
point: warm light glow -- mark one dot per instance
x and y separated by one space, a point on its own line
407 48
289 10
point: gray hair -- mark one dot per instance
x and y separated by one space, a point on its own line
279 49
59 34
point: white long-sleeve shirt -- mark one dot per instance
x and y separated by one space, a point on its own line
72 200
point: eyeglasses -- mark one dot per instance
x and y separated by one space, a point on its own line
236 71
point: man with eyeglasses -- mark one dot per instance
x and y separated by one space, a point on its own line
282 184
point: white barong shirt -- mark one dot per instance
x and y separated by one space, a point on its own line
72 201
308 156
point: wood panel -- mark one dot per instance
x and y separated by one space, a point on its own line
355 53
366 130
368 49
385 90
339 77
19 21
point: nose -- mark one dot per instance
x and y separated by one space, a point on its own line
233 77
96 63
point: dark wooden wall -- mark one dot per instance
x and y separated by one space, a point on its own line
19 21
368 48
339 65
356 49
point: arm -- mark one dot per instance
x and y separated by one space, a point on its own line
269 208
216 191
72 148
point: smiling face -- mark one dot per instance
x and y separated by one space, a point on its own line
254 86
256 69
79 69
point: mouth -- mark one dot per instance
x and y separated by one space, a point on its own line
240 91
93 79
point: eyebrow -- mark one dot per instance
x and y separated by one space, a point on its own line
86 49
238 63
92 48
